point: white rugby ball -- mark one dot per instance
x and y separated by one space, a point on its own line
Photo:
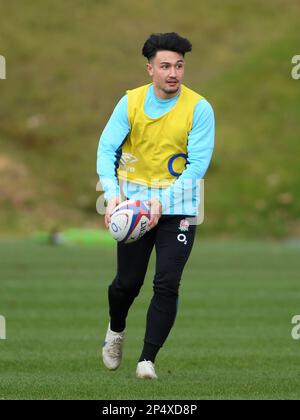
129 221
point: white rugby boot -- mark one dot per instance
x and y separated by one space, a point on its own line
145 370
112 349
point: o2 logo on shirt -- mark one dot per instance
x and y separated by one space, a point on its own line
171 163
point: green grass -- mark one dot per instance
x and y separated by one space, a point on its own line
67 68
232 337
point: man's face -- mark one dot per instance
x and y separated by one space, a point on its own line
167 71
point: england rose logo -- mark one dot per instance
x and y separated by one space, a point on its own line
184 225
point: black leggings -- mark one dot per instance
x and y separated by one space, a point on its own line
173 244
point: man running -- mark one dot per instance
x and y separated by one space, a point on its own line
158 140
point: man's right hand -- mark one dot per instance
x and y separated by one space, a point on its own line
111 205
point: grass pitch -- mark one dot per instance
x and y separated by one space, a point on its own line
66 72
232 337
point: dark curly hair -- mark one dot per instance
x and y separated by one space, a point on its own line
169 41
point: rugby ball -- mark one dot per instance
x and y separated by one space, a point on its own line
129 221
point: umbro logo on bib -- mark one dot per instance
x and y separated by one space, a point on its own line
126 159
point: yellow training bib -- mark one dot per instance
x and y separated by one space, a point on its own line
155 151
